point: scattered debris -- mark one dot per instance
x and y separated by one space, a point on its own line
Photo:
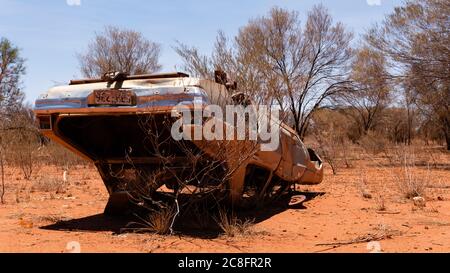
381 234
72 247
65 176
366 194
387 212
419 201
297 200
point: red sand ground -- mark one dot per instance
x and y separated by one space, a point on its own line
338 214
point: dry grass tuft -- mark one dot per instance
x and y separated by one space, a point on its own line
412 181
159 222
232 226
380 203
362 185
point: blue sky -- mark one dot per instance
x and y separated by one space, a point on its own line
51 32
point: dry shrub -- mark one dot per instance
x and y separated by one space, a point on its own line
231 225
161 221
379 191
328 152
61 157
49 184
29 154
362 185
327 146
158 221
380 202
21 148
412 183
374 143
329 131
23 193
25 156
411 180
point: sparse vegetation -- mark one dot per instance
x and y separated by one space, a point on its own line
117 49
369 121
49 184
381 202
412 181
157 221
231 225
381 232
161 221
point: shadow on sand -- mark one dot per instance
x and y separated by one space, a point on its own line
97 222
101 222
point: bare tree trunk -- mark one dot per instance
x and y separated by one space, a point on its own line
409 126
447 139
3 178
445 121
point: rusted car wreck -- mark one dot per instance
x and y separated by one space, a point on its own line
120 122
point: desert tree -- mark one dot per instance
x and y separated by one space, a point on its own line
281 62
12 69
410 103
195 63
305 65
25 141
415 38
117 49
226 57
369 94
330 130
17 129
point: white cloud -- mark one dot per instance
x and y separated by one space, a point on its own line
373 2
73 2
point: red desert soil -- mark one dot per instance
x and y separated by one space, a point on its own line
337 213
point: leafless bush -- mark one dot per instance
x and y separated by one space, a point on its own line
21 150
179 172
327 150
57 155
118 49
23 193
329 131
362 186
380 202
20 139
199 173
24 157
378 191
374 143
411 180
